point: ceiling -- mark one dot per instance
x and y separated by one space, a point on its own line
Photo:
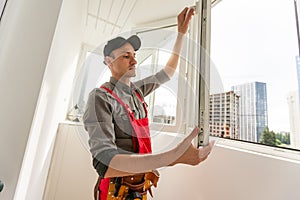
112 16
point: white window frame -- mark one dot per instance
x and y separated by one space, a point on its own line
85 48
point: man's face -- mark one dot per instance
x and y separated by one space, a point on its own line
123 62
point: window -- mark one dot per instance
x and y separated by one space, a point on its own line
91 73
163 101
254 50
172 107
153 56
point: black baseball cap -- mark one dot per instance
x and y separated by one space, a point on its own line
117 42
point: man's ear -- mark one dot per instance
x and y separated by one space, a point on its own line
108 60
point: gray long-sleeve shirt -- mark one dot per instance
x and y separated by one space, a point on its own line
107 122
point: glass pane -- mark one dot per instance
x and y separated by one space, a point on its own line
92 74
152 57
165 102
253 49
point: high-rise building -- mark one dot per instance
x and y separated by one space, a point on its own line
223 118
253 113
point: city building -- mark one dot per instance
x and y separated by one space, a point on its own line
253 113
224 118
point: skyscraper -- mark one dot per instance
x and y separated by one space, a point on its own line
253 113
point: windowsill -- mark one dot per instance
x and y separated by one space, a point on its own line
258 149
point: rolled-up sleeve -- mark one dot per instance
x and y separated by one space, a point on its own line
98 122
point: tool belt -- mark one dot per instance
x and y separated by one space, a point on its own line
130 187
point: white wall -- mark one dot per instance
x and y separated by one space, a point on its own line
53 100
26 33
228 174
71 174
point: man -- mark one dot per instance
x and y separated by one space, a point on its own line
117 123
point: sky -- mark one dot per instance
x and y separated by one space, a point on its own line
254 40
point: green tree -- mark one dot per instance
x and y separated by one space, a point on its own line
278 142
268 137
283 138
286 139
279 136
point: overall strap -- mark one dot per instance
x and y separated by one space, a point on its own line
122 102
136 124
143 102
139 96
118 99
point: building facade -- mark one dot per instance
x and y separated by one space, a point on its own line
253 113
223 118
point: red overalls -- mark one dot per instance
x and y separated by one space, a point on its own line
140 137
